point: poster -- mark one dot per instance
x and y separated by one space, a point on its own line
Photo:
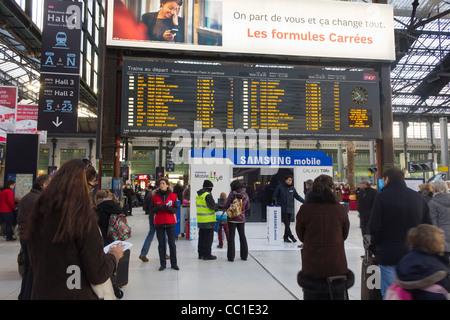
8 103
326 29
26 121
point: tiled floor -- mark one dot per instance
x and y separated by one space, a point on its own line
270 273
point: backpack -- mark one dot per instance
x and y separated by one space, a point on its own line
395 292
118 228
235 208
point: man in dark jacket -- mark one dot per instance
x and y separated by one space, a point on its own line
366 197
23 210
396 210
284 195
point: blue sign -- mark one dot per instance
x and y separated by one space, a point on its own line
293 158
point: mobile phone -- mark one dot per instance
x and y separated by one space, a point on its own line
173 30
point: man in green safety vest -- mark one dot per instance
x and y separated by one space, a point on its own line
206 220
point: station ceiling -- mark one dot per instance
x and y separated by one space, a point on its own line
420 76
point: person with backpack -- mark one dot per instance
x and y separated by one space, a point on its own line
206 219
423 273
106 207
239 201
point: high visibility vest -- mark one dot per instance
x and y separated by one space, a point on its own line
204 213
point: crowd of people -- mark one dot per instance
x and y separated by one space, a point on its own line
64 219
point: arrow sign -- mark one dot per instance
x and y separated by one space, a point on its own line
57 123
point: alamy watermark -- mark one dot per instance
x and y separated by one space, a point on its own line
213 146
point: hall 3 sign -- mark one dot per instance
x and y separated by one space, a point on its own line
60 66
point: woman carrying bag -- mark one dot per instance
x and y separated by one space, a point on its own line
237 222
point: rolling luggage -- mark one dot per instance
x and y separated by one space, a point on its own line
336 282
370 275
120 277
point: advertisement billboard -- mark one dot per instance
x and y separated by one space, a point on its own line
327 29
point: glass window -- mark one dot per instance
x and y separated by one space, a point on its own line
396 129
362 157
88 73
43 161
437 130
21 4
143 155
37 12
212 14
417 130
67 154
88 52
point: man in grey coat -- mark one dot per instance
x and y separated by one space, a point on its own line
440 210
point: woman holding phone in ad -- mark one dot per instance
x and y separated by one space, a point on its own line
165 25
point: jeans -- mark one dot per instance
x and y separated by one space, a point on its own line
243 240
161 233
148 240
223 229
387 275
8 219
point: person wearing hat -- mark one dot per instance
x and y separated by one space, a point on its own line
206 220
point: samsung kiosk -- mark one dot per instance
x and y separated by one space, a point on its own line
219 167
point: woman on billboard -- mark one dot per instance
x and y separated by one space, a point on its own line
165 25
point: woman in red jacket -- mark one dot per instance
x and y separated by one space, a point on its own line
165 206
7 207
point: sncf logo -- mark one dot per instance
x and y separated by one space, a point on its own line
370 77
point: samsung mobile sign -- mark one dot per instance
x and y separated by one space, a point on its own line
329 29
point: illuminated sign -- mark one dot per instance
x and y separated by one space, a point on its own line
299 101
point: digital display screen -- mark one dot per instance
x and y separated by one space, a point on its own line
299 101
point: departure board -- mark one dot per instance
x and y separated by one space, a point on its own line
310 102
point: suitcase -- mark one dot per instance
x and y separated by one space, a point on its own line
340 280
120 277
370 277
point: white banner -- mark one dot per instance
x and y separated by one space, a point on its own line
328 29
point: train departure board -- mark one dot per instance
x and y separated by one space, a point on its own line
311 102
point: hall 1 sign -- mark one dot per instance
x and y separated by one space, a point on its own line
60 66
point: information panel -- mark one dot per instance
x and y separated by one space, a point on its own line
299 101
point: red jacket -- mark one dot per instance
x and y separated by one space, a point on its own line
164 217
7 201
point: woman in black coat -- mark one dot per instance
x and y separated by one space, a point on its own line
323 225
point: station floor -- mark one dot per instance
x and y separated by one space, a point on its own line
270 273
